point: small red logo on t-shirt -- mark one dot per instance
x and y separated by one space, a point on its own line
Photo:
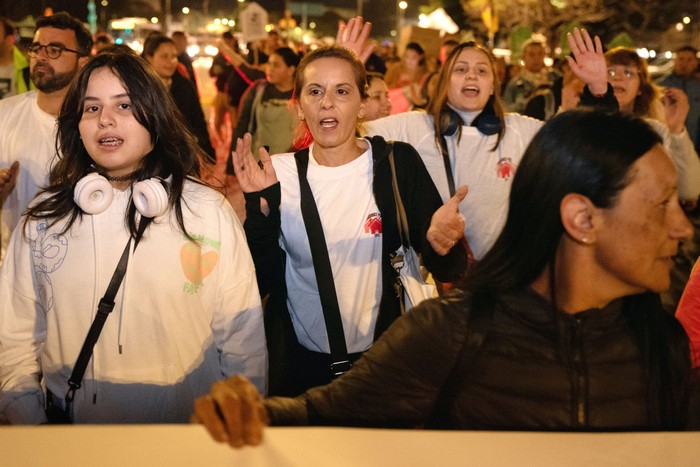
373 224
505 168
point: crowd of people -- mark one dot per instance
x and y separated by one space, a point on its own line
555 209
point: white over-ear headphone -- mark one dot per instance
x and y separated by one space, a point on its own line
93 194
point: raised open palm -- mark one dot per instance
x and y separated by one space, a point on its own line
252 176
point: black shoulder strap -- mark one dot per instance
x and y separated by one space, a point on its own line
340 362
448 166
104 308
401 218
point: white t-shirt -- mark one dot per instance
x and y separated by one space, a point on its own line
488 174
27 135
352 228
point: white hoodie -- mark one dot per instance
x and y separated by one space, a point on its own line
186 314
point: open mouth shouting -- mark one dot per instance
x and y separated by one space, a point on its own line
328 123
470 91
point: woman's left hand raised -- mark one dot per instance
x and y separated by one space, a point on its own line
589 61
447 224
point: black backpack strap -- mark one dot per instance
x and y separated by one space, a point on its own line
340 363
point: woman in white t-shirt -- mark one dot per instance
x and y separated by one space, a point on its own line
351 186
465 138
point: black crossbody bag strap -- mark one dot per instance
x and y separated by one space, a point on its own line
448 166
401 217
104 308
340 363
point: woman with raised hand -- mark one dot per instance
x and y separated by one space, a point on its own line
465 138
350 183
666 111
559 327
125 218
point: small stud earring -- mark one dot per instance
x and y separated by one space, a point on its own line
584 240
301 117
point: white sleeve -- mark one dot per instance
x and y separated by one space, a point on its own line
686 158
237 322
680 148
22 335
407 127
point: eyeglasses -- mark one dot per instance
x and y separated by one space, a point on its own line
625 73
52 50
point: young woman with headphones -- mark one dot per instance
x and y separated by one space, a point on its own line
465 138
186 306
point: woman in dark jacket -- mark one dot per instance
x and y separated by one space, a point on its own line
161 53
560 327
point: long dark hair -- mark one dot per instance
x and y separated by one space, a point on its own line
590 153
174 154
583 152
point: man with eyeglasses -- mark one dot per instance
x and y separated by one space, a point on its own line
60 47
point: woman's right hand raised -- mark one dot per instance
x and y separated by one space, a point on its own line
252 176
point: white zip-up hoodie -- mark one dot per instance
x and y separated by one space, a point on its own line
185 316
